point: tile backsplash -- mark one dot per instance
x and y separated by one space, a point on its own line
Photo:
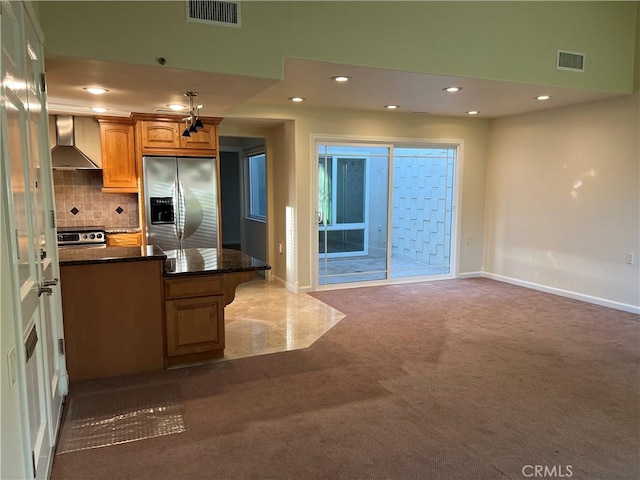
81 202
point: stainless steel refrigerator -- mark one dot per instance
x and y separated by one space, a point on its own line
181 200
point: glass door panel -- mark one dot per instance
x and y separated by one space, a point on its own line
423 180
20 190
352 185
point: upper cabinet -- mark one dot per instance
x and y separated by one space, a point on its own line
159 135
119 173
163 136
203 139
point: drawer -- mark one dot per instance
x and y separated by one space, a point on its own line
194 286
124 239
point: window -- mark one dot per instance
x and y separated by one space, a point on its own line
257 201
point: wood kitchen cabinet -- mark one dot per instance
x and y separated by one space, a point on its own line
163 136
203 139
113 315
194 318
159 135
124 239
119 172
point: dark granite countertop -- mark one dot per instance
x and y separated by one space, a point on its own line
207 261
123 230
96 255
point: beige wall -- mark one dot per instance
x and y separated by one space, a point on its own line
293 195
563 200
464 39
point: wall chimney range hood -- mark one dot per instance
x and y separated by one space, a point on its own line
65 155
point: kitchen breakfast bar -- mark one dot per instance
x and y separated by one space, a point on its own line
137 309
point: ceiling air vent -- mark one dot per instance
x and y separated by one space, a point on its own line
214 12
571 61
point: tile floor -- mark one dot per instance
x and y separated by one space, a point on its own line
267 318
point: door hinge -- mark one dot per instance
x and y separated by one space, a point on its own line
61 346
43 83
52 219
33 462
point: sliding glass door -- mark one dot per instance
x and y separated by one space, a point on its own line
361 188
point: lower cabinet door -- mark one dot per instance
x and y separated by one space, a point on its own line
195 325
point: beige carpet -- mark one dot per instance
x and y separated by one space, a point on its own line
462 379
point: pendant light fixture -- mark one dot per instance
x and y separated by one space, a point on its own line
192 122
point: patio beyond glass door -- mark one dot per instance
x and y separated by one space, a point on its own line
352 228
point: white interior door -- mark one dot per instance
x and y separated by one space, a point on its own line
30 358
47 254
23 133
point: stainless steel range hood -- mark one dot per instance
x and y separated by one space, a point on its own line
65 155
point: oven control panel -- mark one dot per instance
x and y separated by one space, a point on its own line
96 237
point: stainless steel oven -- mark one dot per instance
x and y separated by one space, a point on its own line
82 237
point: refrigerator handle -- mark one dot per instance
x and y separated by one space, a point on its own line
176 201
181 208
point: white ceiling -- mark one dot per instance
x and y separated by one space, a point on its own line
148 89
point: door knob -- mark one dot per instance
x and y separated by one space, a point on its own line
44 290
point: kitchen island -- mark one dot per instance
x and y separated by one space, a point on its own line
112 310
136 309
198 284
97 255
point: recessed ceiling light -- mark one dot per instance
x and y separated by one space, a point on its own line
341 78
392 107
452 89
177 106
96 90
543 97
473 112
99 109
296 99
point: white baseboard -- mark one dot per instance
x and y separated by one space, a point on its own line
471 275
513 281
563 293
